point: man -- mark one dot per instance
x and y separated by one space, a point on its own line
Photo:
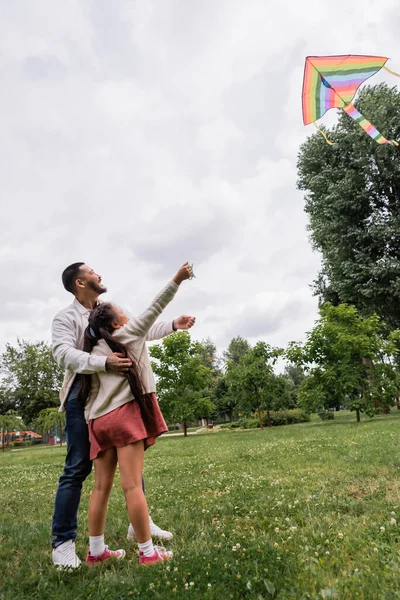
67 340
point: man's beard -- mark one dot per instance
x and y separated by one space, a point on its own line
97 287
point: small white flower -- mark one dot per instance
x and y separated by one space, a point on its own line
276 529
340 535
191 583
276 545
327 552
376 550
209 585
393 521
382 528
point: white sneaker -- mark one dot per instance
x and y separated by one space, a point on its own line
64 556
155 531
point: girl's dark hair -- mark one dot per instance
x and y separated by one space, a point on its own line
100 324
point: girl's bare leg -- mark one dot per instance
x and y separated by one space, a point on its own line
130 460
104 467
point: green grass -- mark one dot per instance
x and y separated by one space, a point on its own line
306 510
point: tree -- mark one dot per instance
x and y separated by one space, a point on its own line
236 350
182 379
352 198
6 400
254 382
10 421
50 418
294 375
349 362
32 376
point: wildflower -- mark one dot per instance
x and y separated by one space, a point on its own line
327 553
209 585
186 586
191 584
234 548
376 550
393 521
276 529
382 529
340 535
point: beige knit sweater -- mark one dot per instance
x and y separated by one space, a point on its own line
110 391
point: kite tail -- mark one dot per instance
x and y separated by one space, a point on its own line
390 71
324 134
351 110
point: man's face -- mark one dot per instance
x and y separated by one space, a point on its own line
91 280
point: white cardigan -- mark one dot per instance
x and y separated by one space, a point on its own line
109 390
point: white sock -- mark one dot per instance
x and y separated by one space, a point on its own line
147 548
96 545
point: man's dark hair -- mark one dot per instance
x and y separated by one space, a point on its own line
70 275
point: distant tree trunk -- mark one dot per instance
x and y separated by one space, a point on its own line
2 440
185 428
260 417
269 422
61 428
398 402
358 415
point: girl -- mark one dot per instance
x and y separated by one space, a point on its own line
124 417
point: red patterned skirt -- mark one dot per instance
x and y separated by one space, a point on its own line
125 425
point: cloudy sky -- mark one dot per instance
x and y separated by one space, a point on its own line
137 134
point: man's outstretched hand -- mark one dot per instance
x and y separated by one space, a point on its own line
117 363
184 322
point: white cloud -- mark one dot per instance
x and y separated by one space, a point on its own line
138 134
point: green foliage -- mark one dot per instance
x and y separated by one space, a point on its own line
352 194
31 377
276 418
253 382
50 418
237 349
348 362
10 421
182 379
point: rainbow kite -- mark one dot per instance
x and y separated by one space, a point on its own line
332 82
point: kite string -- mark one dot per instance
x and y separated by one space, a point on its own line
390 71
324 134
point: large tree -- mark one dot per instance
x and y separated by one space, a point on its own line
254 382
182 379
31 377
352 198
349 362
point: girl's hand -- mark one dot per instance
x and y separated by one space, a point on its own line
185 272
184 322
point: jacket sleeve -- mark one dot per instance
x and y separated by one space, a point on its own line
140 326
159 331
65 351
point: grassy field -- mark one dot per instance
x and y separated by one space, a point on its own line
296 512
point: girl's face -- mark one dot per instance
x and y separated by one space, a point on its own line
120 318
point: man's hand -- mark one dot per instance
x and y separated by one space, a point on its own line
117 363
185 272
184 322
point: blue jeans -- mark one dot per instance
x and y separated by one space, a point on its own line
77 467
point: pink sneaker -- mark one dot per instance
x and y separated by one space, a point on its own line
107 554
159 555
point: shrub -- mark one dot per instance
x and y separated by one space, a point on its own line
287 417
326 415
